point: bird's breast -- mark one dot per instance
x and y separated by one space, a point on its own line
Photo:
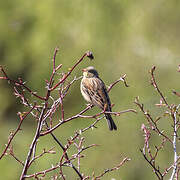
84 91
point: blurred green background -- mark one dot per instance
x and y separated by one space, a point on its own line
125 37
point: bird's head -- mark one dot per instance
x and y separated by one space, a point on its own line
90 72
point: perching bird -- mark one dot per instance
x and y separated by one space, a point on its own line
94 92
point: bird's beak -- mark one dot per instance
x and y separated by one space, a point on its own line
83 70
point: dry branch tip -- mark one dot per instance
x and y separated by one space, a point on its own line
90 55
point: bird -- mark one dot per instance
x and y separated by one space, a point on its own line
94 92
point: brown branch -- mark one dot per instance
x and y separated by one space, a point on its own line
108 112
176 93
33 144
156 170
17 83
158 148
22 117
87 54
54 59
153 123
120 79
50 151
60 168
13 155
50 83
121 112
65 121
152 159
153 81
43 173
66 88
85 148
112 169
65 155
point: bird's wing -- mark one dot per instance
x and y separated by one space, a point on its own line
96 90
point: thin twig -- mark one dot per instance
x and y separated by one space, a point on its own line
156 171
17 83
50 151
176 93
113 169
122 78
153 123
22 117
87 54
11 152
153 81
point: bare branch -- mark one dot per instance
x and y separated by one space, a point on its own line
11 152
120 79
22 117
113 169
175 143
87 54
156 170
17 83
153 123
50 151
153 81
176 93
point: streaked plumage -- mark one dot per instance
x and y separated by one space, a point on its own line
94 91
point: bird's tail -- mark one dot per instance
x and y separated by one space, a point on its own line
111 123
